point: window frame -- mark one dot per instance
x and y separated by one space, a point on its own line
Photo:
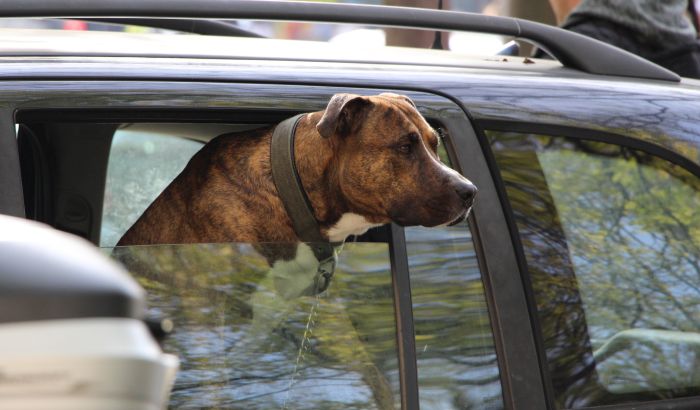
12 199
557 130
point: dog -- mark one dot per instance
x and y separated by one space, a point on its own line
364 161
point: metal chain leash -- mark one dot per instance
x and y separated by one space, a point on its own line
324 274
303 347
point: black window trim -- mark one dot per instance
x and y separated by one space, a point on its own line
522 381
12 199
557 130
403 311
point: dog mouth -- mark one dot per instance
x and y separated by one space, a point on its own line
460 218
431 216
452 222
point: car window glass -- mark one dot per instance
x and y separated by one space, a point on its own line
611 236
457 365
254 336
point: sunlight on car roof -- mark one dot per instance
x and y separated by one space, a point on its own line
346 35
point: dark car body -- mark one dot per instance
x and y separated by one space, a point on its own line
66 98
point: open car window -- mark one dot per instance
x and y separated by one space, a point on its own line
251 332
143 159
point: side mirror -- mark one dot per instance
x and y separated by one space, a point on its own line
71 328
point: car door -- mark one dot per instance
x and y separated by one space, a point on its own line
607 229
414 317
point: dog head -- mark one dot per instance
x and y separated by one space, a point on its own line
387 165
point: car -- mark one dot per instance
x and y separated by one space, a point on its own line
574 283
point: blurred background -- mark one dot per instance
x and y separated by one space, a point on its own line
353 36
349 35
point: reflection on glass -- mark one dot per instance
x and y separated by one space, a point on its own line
254 337
457 366
612 241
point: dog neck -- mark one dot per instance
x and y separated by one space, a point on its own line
315 162
349 224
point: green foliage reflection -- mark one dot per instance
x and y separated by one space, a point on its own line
239 339
612 241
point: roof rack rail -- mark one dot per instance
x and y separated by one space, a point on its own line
195 26
571 49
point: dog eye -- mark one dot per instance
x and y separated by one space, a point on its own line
407 143
406 148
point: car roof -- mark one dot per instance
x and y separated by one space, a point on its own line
37 52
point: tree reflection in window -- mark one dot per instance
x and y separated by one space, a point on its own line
243 338
611 237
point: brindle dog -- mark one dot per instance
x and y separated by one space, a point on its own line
364 161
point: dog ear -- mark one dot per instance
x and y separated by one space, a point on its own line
400 97
343 114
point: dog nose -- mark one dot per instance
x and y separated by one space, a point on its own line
466 191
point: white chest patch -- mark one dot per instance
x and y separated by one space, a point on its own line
349 224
